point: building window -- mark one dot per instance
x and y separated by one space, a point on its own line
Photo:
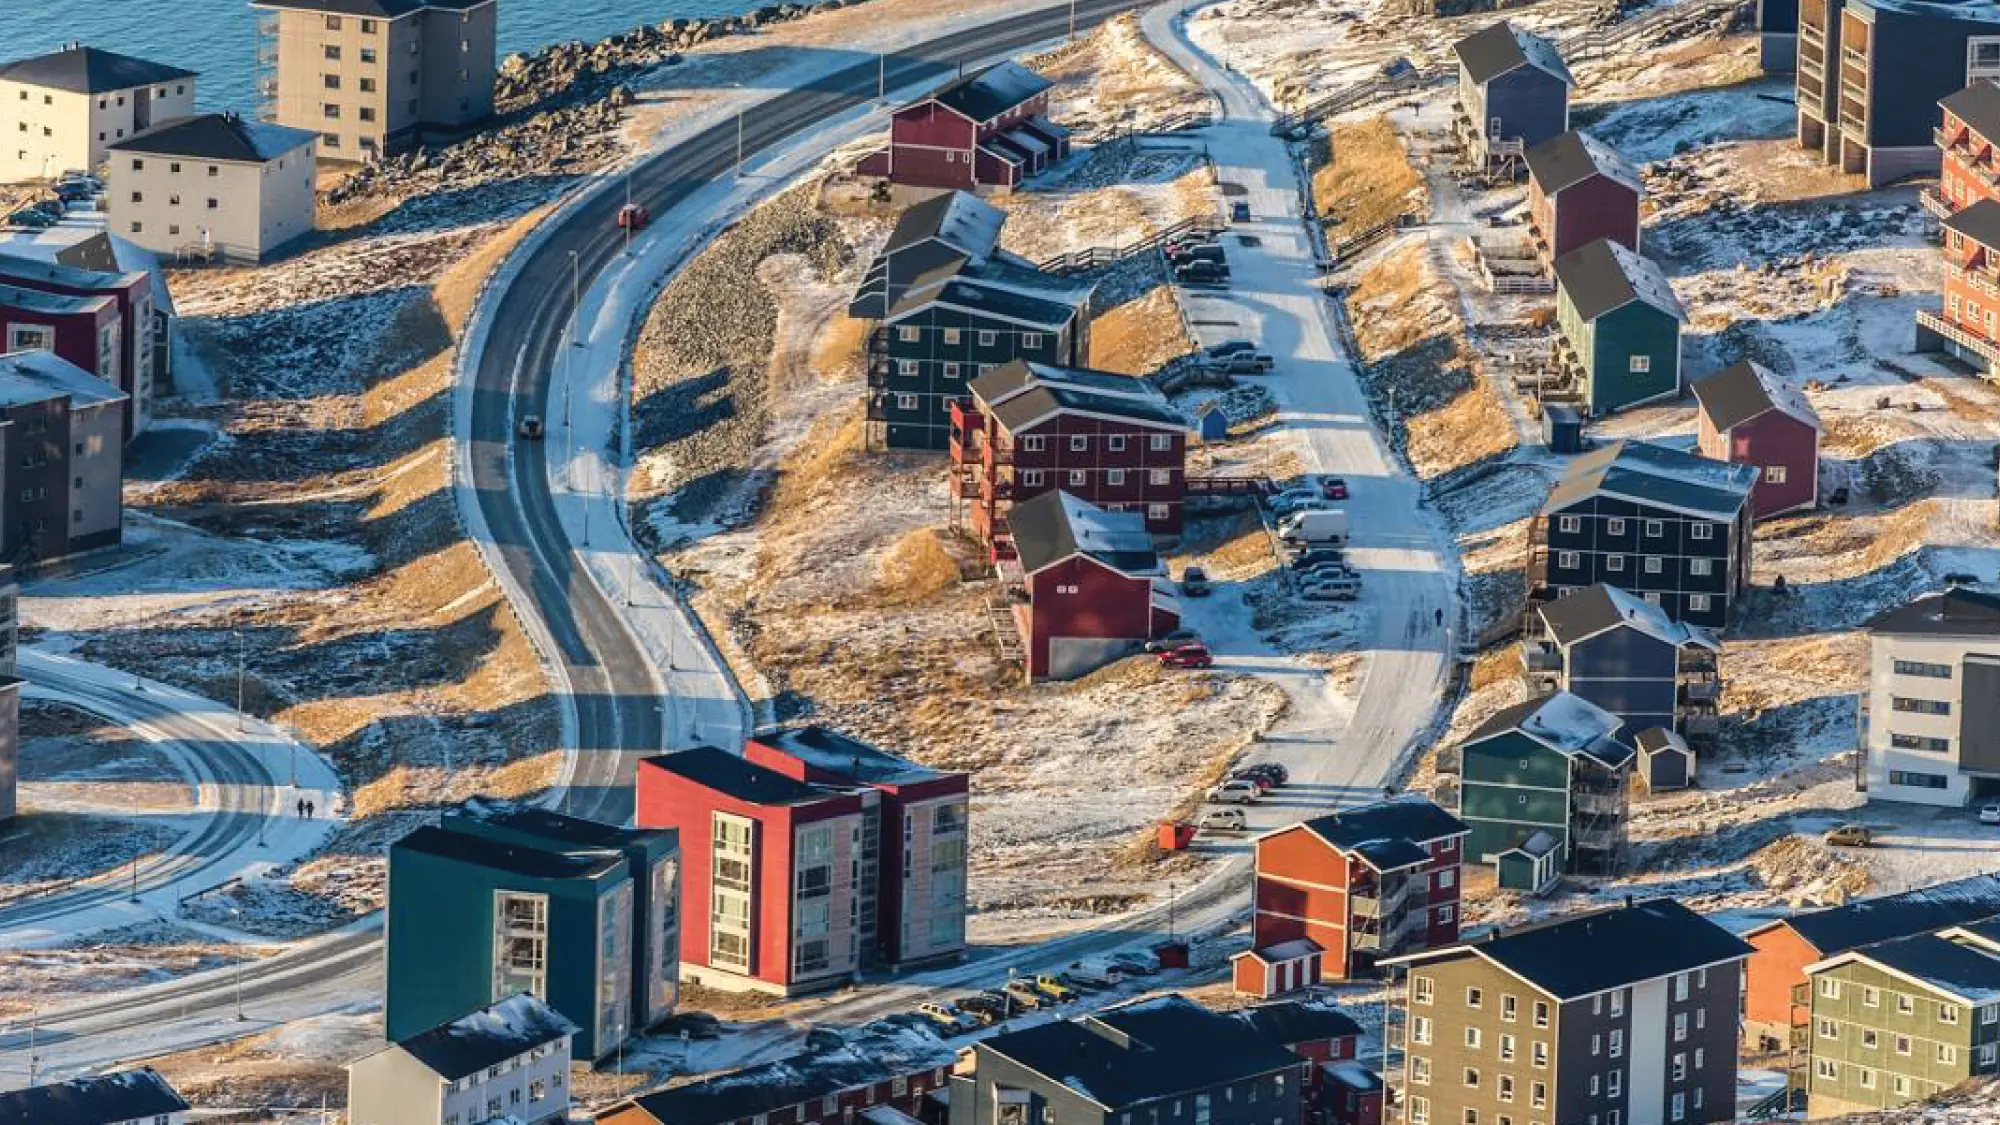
1828 1029
1570 525
1948 1054
1474 998
1160 476
1506 1087
332 53
1614 526
1864 1078
1680 1066
1472 1077
1115 443
333 23
1538 1095
1904 1004
1472 1037
951 370
1614 1084
367 113
1774 474
1641 364
951 335
1541 1013
1902 1044
1947 1013
1680 1025
907 368
1826 1068
1160 443
1870 1039
1446 914
330 111
909 335
1157 512
1422 989
1420 1111
1079 443
1677 1110
1114 477
1614 562
1701 530
1920 706
1697 603
1655 529
987 339
1539 1051
1653 564
1031 478
1617 1040
1920 668
1420 1030
906 402
1701 568
1829 988
1034 443
1919 780
1078 478
1031 339
1506 1048
1420 1071
1567 560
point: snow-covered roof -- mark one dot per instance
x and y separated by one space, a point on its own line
1957 612
128 1095
986 94
1538 844
834 752
1572 157
1055 526
1865 921
865 1058
493 1034
1568 724
1490 53
1352 1075
1660 740
37 376
88 249
1296 949
1387 834
1298 1021
1583 614
1965 970
1656 475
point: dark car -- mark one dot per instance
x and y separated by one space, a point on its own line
694 1025
1187 656
1318 557
983 1006
1239 212
76 192
1206 252
1229 348
1202 273
1194 582
29 217
1175 639
1273 772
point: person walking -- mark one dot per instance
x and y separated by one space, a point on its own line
302 808
309 810
1439 618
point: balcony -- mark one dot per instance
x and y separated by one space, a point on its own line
1381 902
1539 659
1598 802
1977 345
1701 692
1802 995
1597 838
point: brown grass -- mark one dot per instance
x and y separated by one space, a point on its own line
1370 179
916 569
837 352
1466 430
1137 337
1495 666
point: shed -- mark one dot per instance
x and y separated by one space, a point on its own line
1666 761
1533 865
1562 429
1212 424
1275 970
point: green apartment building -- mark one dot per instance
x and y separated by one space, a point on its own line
1621 327
1901 1021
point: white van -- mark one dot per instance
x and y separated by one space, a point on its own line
1316 528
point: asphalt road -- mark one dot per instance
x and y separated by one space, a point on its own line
618 717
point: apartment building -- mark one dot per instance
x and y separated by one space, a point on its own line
128 1097
60 111
982 132
1624 654
1095 589
375 77
213 188
1930 719
507 1061
1870 74
1581 190
1900 1021
145 315
63 473
799 846
1620 339
1513 93
1969 165
1624 1016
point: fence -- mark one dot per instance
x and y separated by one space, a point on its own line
1597 41
1355 243
1300 121
1103 257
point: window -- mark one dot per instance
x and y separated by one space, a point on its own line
1445 880
1614 526
1947 1013
214 203
1160 476
1902 1044
1541 1013
1614 562
1160 443
986 339
30 337
1422 989
906 402
1472 1077
1829 988
1471 1117
367 113
1034 443
368 58
1905 1004
1472 1038
1701 531
907 368
1031 339
1157 512
1870 1039
1506 1087
951 370
1540 1052
1653 564
1680 1026
1078 443
1446 913
1680 1066
1538 1095
1699 1052
1474 997
1617 1041
332 52
1920 706
1420 1071
1420 1029
1919 742
333 23
1918 780
1617 1005
1677 1109
1115 443
1078 478
1655 529
1596 1087
1641 364
1864 1078
909 335
1900 1083
1948 1054
1701 568
1567 560
1420 1111
1920 668
1114 477
1697 602
1614 1083
1031 478
1570 524
1826 1068
330 111
1828 1029
1774 474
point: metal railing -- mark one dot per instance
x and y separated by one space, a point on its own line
1101 257
1300 121
1979 346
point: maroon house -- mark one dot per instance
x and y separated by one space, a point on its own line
984 132
1752 417
1030 428
1091 578
133 292
84 330
1339 1089
1581 190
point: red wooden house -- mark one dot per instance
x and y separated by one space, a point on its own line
1092 581
1339 1089
984 132
1363 884
1752 417
84 330
1029 428
1969 170
1968 326
1581 190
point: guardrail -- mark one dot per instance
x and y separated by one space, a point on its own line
1355 243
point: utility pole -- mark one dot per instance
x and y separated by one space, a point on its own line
1172 893
135 878
628 203
882 76
242 672
739 144
1072 19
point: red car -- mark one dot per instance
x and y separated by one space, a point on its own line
1333 488
633 217
1187 656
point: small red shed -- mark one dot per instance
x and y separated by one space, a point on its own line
1581 190
1752 417
1274 970
1093 584
984 131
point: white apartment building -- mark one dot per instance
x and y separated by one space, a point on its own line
60 112
129 1097
506 1061
215 187
1930 720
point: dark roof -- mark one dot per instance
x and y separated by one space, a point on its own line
1502 47
1566 723
54 304
1745 390
1978 105
865 1059
385 9
1410 819
1962 969
1575 956
1029 407
493 1034
1017 375
1154 1048
1979 222
558 828
217 136
836 752
88 70
957 218
124 1096
1574 157
1581 614
1658 740
532 863
737 777
1841 928
1055 526
1293 1021
1958 612
1655 474
1043 309
986 94
1539 843
1601 276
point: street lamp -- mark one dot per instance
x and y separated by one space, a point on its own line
242 671
235 913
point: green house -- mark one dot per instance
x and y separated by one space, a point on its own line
1549 767
1900 1021
578 914
1621 327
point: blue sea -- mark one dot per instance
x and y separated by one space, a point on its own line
217 38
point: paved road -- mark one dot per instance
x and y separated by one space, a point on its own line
614 688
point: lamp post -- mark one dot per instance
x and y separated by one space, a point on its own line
242 673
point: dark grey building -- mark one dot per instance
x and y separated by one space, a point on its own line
1513 92
1158 1061
951 306
1777 35
1624 1016
1669 527
1626 655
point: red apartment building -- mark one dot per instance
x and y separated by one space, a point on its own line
1751 416
1581 190
799 848
984 132
1092 581
1363 884
138 325
1967 201
1340 1090
85 330
1969 168
1029 428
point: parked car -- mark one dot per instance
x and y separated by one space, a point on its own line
1244 363
1264 784
1187 656
987 1007
952 1021
1314 528
1237 792
51 204
1202 273
1094 975
77 191
1223 820
1204 252
1851 836
1055 988
1173 640
1024 994
1318 556
1331 588
1276 771
1194 582
1333 488
1134 962
1989 813
693 1024
1228 348
29 217
1239 212
1294 500
530 428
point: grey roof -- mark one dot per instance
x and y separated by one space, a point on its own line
865 1059
1031 406
957 218
1502 47
217 136
52 304
1582 614
1568 724
1573 157
87 70
1978 105
37 376
125 1096
1746 390
384 9
54 271
1386 833
1960 968
1015 377
1599 277
1158 1047
1045 311
556 828
1957 612
529 863
986 94
1979 222
493 1034
1294 1021
1538 844
1866 921
835 752
1660 740
740 778
1586 954
1657 475
1055 526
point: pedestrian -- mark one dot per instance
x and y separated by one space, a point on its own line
309 810
302 808
1438 616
